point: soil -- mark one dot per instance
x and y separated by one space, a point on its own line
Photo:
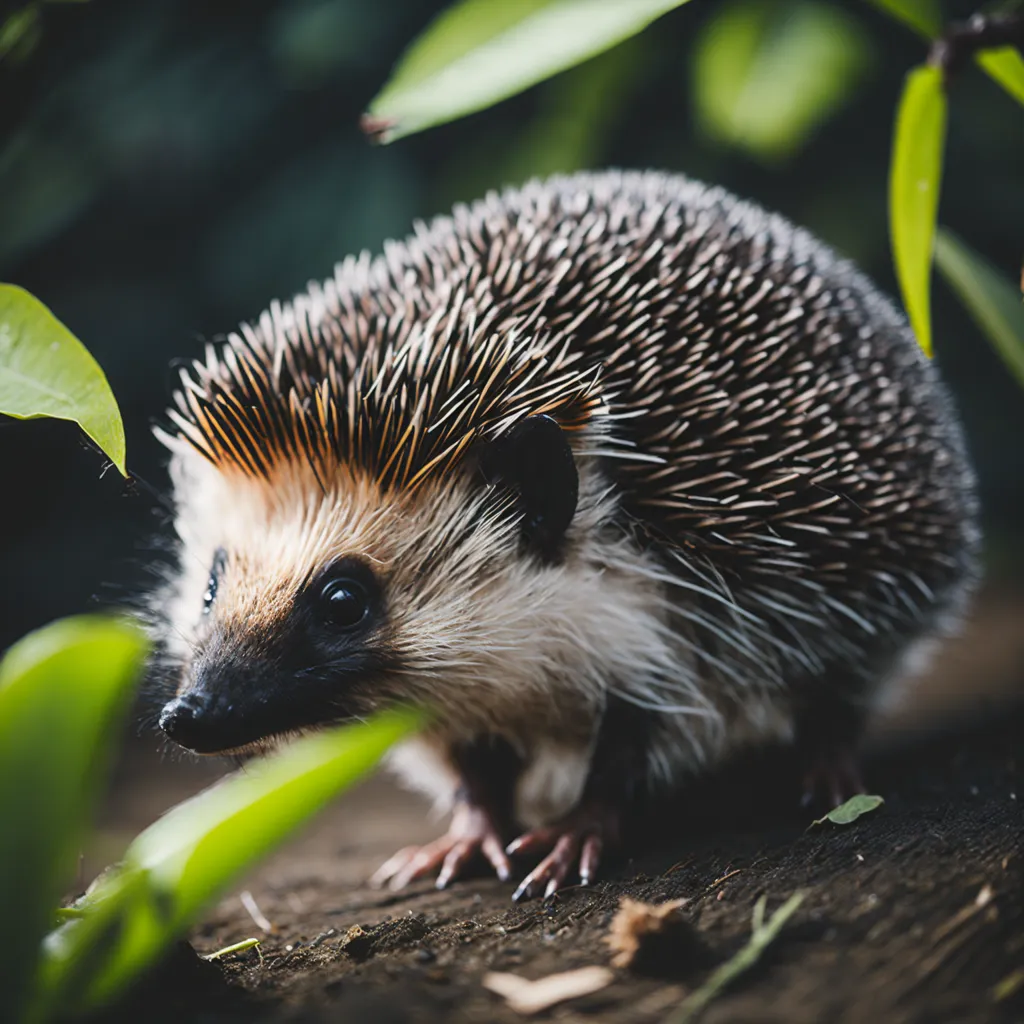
913 913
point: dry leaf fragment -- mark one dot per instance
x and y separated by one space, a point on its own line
529 997
641 932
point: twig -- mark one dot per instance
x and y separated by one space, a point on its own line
727 875
963 39
762 935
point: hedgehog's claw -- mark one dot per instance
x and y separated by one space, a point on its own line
471 832
579 838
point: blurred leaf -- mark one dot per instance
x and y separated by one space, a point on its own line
310 40
765 76
46 371
1006 66
63 690
20 33
992 300
481 51
849 812
923 16
176 867
914 177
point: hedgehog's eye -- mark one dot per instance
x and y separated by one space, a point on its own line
344 602
219 560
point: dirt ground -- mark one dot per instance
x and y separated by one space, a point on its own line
913 913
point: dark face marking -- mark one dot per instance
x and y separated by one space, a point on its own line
534 459
243 688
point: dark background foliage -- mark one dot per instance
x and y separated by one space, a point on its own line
167 168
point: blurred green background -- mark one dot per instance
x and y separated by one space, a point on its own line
168 168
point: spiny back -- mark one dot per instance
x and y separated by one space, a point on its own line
760 405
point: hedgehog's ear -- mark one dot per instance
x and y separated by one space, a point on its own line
535 460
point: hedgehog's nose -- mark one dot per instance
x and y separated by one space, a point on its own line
191 721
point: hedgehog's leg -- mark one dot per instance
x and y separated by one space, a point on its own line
828 731
832 778
477 826
617 772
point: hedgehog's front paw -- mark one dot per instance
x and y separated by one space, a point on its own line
471 832
579 838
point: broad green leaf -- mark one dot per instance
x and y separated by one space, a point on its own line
992 300
765 76
923 16
176 867
63 690
481 51
1006 66
46 371
914 177
849 812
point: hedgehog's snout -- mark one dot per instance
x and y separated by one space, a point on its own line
218 707
197 721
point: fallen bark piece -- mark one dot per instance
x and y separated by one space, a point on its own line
650 938
529 997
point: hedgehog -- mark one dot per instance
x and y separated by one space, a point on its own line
615 473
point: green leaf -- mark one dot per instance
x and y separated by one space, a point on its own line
849 812
176 867
1006 66
481 51
46 371
63 690
992 300
923 16
914 176
764 77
